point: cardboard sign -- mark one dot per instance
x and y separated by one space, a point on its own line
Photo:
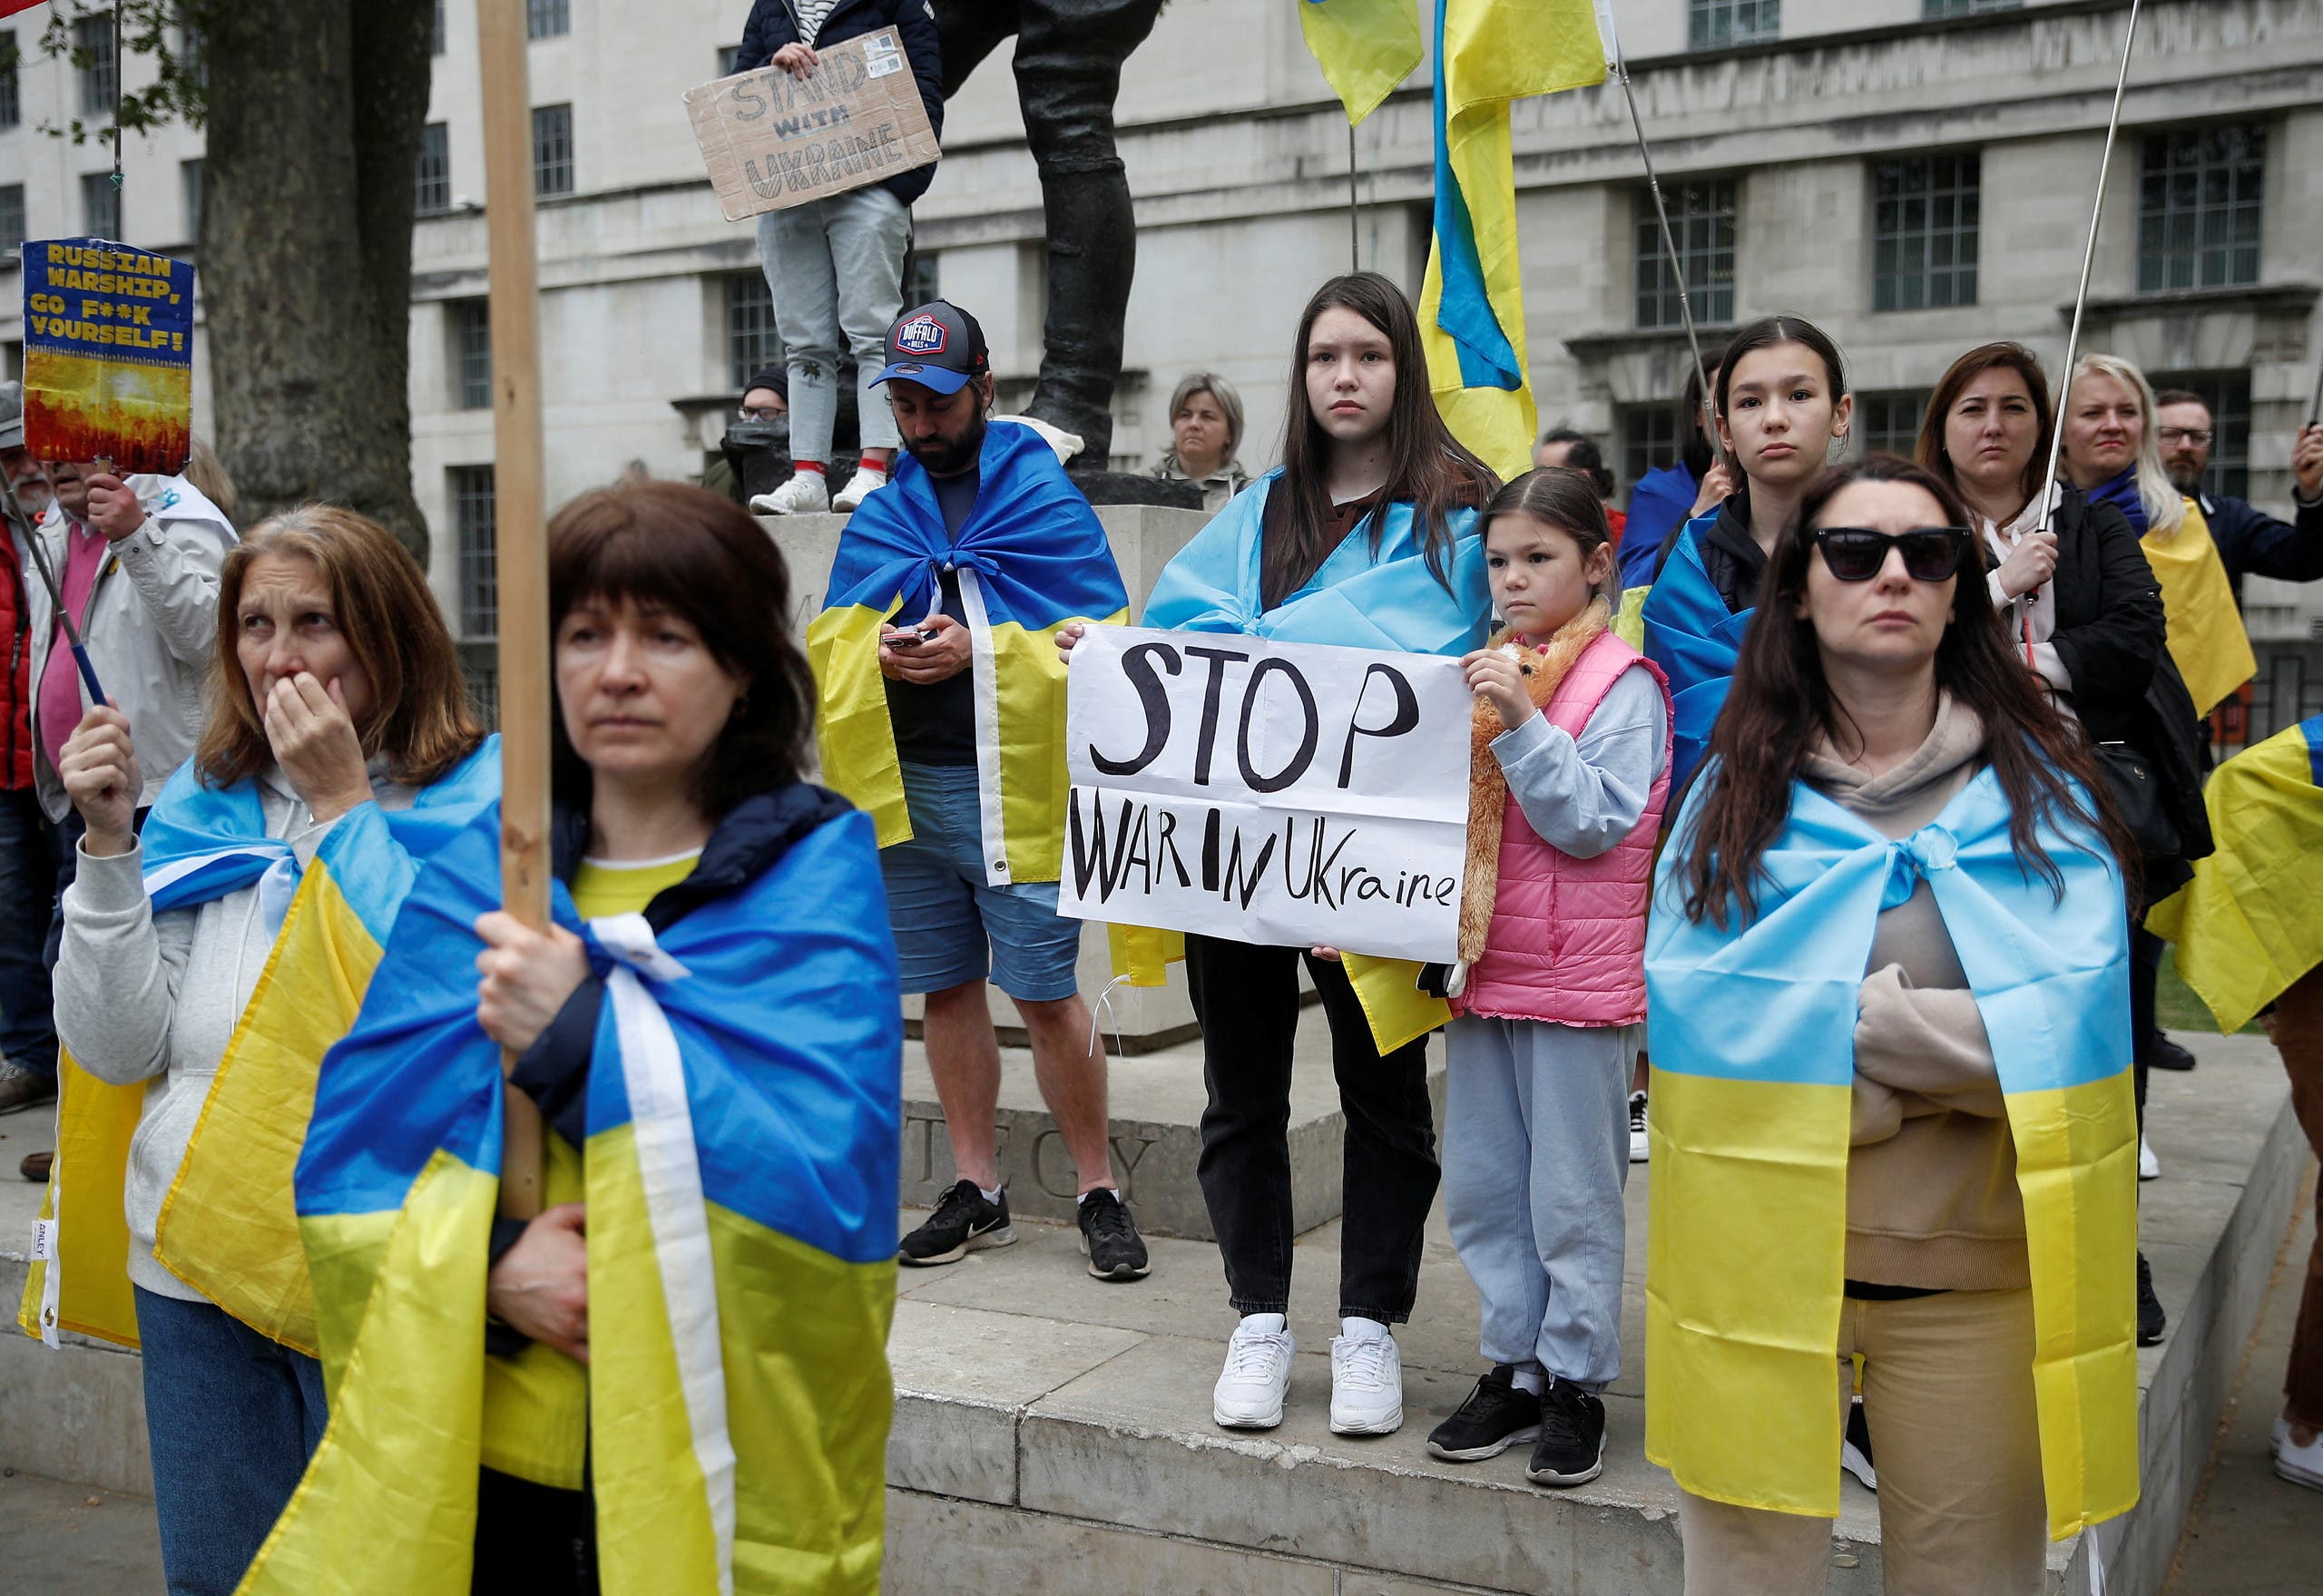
108 355
1276 793
771 141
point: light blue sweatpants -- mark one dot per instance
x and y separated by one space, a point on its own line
1536 1150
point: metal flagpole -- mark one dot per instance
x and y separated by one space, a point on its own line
1354 247
55 593
1662 214
2315 410
2088 258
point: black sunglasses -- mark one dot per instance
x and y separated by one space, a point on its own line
1855 553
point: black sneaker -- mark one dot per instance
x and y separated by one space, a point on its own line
1572 1447
1495 1416
1855 1448
2151 1322
2166 1055
1109 1238
961 1223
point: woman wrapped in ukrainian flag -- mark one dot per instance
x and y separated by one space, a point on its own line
1889 1013
208 963
674 1378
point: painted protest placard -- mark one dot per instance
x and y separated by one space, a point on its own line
108 355
1275 793
773 140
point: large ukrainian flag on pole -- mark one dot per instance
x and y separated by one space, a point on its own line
1472 305
1031 557
228 1227
1752 1029
744 1108
2247 926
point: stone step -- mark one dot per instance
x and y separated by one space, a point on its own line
1154 1106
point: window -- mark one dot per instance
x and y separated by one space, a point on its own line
190 185
2198 200
1937 8
12 224
98 67
193 51
1649 440
12 110
100 205
752 341
553 150
11 360
2228 393
472 522
1924 231
1889 421
544 19
730 60
432 178
1712 24
920 280
470 321
1701 220
436 31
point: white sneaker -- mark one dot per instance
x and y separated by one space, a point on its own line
2301 1465
1641 1147
2149 1166
1366 1385
805 493
860 487
1249 1395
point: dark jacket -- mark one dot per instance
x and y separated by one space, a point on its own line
2252 542
750 840
1659 504
1731 557
15 687
774 24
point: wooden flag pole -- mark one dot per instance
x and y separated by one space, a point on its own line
519 526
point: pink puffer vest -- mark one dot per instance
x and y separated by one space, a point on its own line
1567 942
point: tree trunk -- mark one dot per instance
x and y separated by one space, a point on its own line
306 249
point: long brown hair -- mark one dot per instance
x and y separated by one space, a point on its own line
1931 453
420 718
669 546
1427 467
1779 703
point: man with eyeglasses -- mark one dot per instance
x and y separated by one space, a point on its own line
2250 542
759 425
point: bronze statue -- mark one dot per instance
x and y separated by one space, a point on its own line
1069 56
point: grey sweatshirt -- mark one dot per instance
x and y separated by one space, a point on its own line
149 997
1583 795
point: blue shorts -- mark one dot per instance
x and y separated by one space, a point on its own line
951 926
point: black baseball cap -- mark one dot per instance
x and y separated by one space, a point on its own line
938 345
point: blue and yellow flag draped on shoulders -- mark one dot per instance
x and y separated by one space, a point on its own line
1688 630
2247 926
743 1123
1391 600
228 1227
1752 1031
1031 557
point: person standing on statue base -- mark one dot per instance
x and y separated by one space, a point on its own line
942 712
835 266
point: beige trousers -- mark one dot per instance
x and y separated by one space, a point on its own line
1947 1391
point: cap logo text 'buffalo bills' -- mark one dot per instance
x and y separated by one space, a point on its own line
922 335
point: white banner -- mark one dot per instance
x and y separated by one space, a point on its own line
1283 794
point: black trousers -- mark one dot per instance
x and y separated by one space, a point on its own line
1247 1000
532 1540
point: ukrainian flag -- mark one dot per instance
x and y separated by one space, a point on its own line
1688 630
2207 638
1471 303
744 1113
1752 1031
1365 47
2247 925
227 1227
1031 557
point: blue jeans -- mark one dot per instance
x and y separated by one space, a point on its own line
28 886
1536 1149
233 1418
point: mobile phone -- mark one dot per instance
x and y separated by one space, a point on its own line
911 639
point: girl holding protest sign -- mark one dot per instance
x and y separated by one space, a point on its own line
1571 769
1365 537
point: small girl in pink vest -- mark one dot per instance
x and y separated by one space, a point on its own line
1571 769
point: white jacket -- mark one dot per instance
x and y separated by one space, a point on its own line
151 624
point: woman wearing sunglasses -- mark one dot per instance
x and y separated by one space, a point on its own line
2081 605
1886 971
